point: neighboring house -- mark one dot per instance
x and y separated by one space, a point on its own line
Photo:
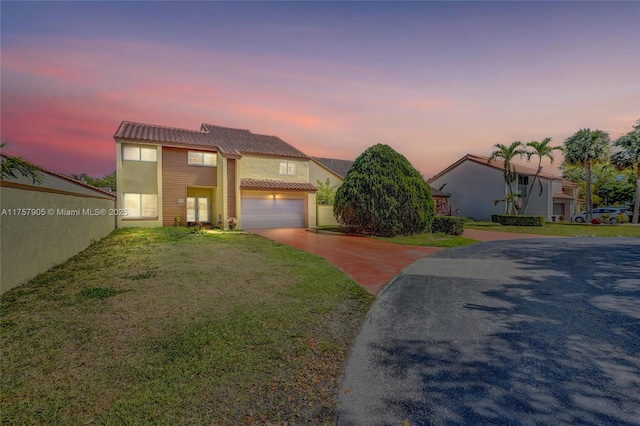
329 168
474 183
212 175
43 224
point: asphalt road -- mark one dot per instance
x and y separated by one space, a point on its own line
543 331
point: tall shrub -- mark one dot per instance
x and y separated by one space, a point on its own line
383 194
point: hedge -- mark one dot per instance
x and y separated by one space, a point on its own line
451 225
506 219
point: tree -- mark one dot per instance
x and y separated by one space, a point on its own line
507 154
384 195
108 181
609 186
629 158
583 148
326 193
14 166
540 150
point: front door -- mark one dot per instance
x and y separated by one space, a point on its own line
197 209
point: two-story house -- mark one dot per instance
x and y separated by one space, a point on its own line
212 175
474 183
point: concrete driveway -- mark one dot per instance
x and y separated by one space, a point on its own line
540 331
371 263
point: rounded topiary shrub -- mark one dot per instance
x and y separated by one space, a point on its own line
383 194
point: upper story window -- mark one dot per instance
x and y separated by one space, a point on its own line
134 153
202 159
287 168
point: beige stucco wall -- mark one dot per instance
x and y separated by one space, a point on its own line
32 244
312 217
256 167
325 216
138 177
319 173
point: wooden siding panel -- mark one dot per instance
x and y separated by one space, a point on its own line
231 187
177 175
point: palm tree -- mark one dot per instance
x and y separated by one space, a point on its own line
12 166
507 154
583 148
629 157
540 150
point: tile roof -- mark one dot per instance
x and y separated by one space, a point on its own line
224 139
495 164
562 195
522 170
339 167
260 184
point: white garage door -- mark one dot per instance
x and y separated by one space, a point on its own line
272 213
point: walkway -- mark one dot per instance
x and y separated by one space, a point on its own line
371 263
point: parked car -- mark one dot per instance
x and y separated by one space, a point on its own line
597 214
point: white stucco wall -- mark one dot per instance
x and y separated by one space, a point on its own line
473 187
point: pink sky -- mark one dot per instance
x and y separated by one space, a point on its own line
64 93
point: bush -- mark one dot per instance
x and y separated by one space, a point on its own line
622 218
384 195
451 225
512 220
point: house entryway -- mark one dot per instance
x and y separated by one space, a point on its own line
198 209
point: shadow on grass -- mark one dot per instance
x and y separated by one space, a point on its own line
556 343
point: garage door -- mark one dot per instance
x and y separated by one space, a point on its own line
272 213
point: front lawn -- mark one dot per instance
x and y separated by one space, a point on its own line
561 229
161 326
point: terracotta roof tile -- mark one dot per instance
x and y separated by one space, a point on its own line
496 164
562 195
276 185
224 139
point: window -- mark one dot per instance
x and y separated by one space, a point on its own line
141 205
134 153
287 168
202 159
523 180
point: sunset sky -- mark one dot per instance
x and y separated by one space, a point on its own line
434 80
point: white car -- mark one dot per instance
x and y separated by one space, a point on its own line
597 214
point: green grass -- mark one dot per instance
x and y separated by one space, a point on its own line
561 229
426 239
430 240
162 326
